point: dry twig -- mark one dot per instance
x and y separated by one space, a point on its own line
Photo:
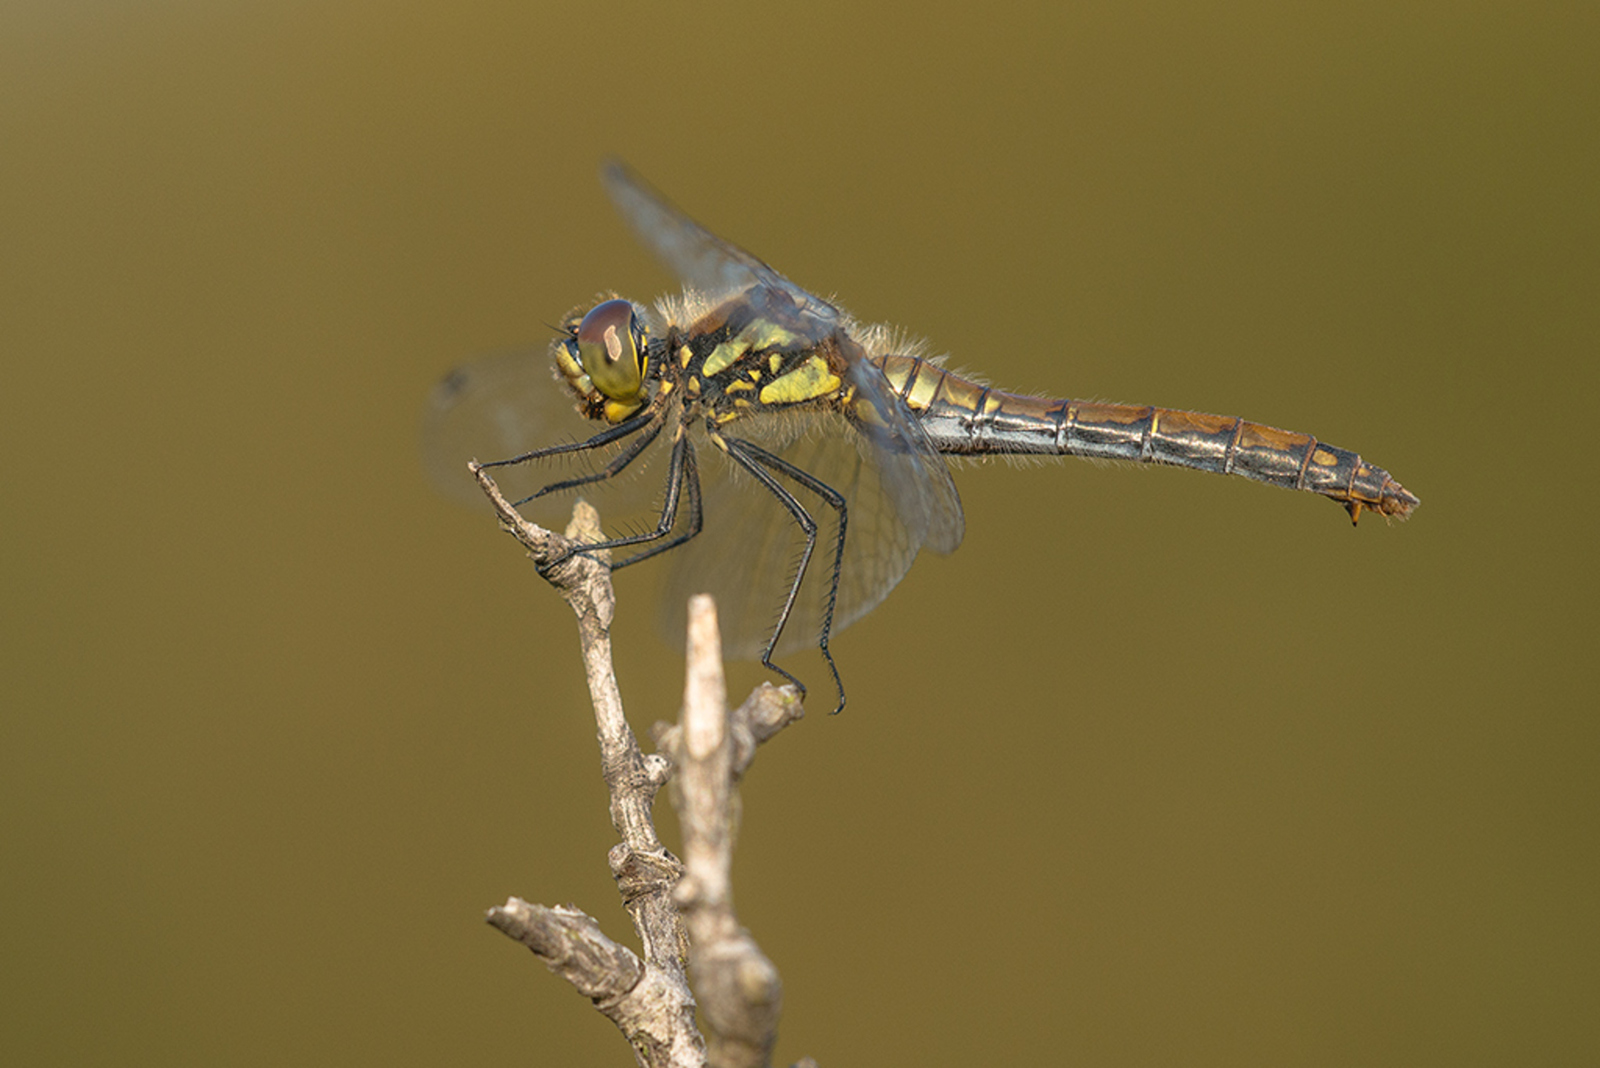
650 999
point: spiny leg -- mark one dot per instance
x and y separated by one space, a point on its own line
691 481
682 458
753 458
650 422
617 465
605 437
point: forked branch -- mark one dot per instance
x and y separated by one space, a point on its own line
682 911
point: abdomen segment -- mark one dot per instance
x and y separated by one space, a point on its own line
967 419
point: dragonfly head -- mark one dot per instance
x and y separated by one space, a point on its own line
602 357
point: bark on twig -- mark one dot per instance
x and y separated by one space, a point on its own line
739 990
571 943
649 999
655 1012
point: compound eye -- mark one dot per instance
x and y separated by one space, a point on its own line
611 348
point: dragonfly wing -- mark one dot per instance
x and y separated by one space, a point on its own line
915 476
704 261
503 405
897 499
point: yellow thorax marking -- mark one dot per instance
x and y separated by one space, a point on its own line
869 413
723 355
766 334
813 378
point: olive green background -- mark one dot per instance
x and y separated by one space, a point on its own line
1160 768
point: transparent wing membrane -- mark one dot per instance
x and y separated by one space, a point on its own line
508 404
747 553
704 261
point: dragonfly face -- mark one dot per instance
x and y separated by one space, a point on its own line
805 451
603 360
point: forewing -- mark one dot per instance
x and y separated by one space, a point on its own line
704 261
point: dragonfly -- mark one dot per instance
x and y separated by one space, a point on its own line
795 459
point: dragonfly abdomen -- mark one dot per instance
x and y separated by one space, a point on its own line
964 418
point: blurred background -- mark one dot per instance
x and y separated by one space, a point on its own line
1159 768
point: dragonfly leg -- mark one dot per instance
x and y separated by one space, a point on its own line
682 469
618 464
682 461
605 437
691 483
757 461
